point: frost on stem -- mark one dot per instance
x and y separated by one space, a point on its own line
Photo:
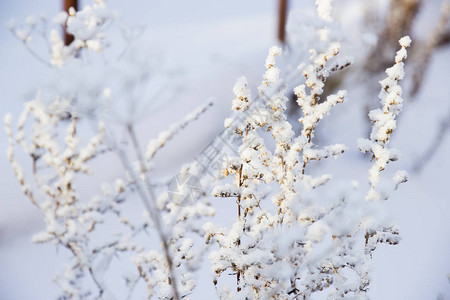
242 93
384 123
53 130
324 9
384 120
275 245
294 234
87 26
156 144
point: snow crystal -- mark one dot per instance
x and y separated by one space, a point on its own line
240 87
396 71
317 231
228 122
272 75
405 41
400 176
324 9
270 60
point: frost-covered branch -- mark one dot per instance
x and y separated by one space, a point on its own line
290 243
66 160
384 120
156 144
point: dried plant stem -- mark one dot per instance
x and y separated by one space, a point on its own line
282 12
67 4
425 52
155 217
402 15
238 274
37 56
434 146
148 201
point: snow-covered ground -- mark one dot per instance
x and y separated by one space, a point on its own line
209 45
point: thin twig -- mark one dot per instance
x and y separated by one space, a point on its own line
238 274
151 208
434 146
35 55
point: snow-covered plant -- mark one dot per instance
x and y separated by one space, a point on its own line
70 132
296 233
304 235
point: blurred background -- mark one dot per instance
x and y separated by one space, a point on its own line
204 46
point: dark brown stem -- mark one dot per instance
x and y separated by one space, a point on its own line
282 12
67 4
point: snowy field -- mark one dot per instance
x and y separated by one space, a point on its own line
207 45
